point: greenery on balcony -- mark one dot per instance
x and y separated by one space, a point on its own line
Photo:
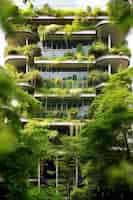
64 83
65 91
46 10
96 77
122 50
22 27
28 50
100 49
77 25
78 55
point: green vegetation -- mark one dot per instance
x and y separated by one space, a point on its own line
104 165
43 31
99 49
77 25
30 50
43 194
64 92
123 16
97 77
102 149
8 10
46 10
15 163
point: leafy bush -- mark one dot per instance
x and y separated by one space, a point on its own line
30 50
99 12
98 49
43 194
97 77
29 11
79 194
91 58
122 50
43 31
45 10
68 31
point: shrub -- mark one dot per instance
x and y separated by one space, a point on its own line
30 50
79 194
98 12
43 194
97 77
123 50
91 58
98 49
43 31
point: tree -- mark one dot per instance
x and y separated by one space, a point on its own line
104 140
121 12
14 162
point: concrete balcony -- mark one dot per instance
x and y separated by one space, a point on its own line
66 96
26 86
45 20
115 61
16 60
21 38
68 64
105 30
77 35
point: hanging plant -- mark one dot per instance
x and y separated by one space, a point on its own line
43 31
68 31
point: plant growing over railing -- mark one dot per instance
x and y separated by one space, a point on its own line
98 49
28 50
73 112
73 91
22 27
122 50
28 11
46 10
96 77
99 12
43 31
91 58
78 24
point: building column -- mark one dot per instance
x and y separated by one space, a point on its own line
27 67
109 41
57 173
27 42
109 69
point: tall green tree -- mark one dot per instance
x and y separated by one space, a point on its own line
121 12
105 150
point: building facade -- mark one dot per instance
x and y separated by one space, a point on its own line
74 57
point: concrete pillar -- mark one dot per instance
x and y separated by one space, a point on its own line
109 41
27 67
109 69
57 173
27 42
